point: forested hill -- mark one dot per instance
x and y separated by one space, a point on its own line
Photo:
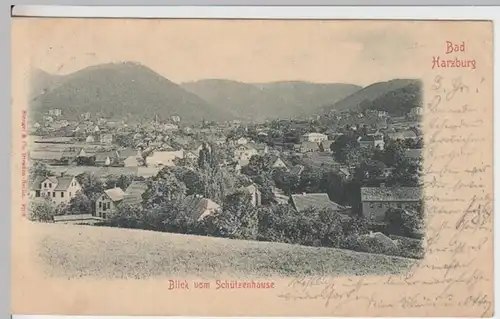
118 90
397 97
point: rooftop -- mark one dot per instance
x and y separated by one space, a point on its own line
197 206
391 194
314 200
115 194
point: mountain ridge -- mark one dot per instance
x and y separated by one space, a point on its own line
118 90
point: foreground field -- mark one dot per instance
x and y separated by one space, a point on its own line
76 251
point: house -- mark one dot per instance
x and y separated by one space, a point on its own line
133 193
106 138
47 157
414 154
69 155
133 161
306 201
90 139
344 172
166 158
106 203
375 201
402 135
280 196
175 118
147 172
244 152
240 164
255 194
306 147
372 141
59 189
325 146
79 219
314 137
125 153
297 170
199 207
86 157
106 158
262 149
276 162
192 155
242 141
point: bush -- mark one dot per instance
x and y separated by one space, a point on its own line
409 247
377 243
238 218
42 211
310 227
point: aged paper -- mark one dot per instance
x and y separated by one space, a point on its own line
102 109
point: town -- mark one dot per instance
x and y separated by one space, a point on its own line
344 179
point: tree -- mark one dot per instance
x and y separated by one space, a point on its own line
38 169
127 216
42 211
256 166
333 184
92 185
191 178
61 209
403 222
370 170
121 181
286 181
80 204
265 184
393 153
164 189
238 218
277 223
406 173
125 140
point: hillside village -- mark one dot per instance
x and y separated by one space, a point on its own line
356 172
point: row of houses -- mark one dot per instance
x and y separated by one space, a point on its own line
197 206
375 201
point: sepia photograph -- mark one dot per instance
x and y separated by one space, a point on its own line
248 175
283 151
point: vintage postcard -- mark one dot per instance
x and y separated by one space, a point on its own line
252 167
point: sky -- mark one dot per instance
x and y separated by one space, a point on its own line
357 52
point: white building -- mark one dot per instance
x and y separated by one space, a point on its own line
242 141
58 189
315 137
167 158
244 152
106 204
